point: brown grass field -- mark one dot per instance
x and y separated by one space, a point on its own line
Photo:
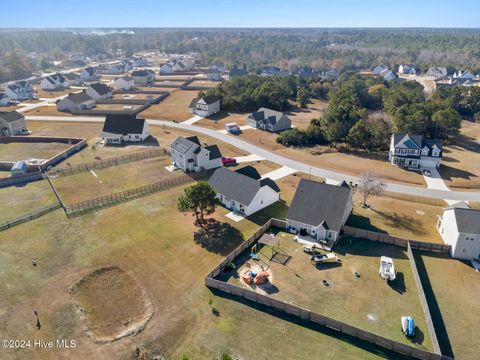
16 151
218 121
46 111
301 117
121 107
205 83
8 108
174 107
51 94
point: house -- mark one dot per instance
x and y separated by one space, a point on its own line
414 152
407 69
220 67
244 191
124 83
463 74
272 71
377 70
115 69
12 123
388 75
99 91
307 72
142 77
189 155
205 106
76 101
89 74
213 74
139 61
54 82
235 72
118 129
4 99
437 72
269 120
459 226
166 69
329 74
319 210
73 79
20 90
179 66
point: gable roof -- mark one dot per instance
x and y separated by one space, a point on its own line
100 88
183 145
3 95
409 141
214 152
237 186
468 220
123 124
11 116
126 78
19 85
71 76
90 70
316 202
249 171
78 98
193 103
266 115
210 99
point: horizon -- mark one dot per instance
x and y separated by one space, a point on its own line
222 14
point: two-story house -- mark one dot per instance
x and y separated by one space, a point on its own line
407 69
205 106
119 129
142 77
89 74
76 101
124 83
12 123
189 155
20 90
269 120
54 82
99 91
414 152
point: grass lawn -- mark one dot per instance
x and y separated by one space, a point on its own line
46 111
452 287
51 94
400 215
460 167
8 108
205 83
174 107
367 302
151 241
218 120
15 151
19 200
301 117
121 107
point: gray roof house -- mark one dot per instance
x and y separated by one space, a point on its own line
243 191
99 91
119 129
414 152
459 226
377 70
318 210
12 123
205 106
20 90
76 101
269 120
437 72
189 155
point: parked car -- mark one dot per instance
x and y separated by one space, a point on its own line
227 161
232 128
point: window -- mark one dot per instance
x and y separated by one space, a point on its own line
464 250
469 237
435 152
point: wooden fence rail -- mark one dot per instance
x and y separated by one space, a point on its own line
27 217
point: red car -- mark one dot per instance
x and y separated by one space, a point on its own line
227 161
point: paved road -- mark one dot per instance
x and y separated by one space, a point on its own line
284 161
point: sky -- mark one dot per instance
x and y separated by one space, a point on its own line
239 13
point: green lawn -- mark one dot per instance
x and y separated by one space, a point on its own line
164 252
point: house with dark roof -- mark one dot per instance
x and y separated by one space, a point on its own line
4 99
214 74
76 101
244 191
189 155
166 68
54 82
329 74
318 210
89 74
73 79
142 77
388 75
269 120
119 129
407 69
437 72
12 123
459 226
414 152
99 91
20 90
205 106
124 83
377 70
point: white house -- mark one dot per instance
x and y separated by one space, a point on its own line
118 129
124 83
269 120
205 106
189 155
388 75
99 91
319 210
407 69
459 226
414 152
377 70
142 77
89 74
4 99
243 190
213 74
115 69
463 74
54 82
76 101
166 69
73 79
12 123
220 67
20 90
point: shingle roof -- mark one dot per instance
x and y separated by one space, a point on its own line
410 141
72 76
468 220
316 202
100 88
214 152
193 103
249 171
126 78
236 186
210 99
3 95
123 124
78 98
11 116
267 115
183 145
140 73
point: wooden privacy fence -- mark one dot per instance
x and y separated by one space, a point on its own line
20 179
30 216
105 163
109 200
395 240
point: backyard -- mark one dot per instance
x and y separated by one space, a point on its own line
15 151
174 107
46 110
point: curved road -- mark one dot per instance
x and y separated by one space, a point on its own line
281 160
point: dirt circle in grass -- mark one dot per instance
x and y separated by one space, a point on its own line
420 212
111 304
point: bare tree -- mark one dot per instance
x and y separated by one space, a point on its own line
369 185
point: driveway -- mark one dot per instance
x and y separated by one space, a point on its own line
435 181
